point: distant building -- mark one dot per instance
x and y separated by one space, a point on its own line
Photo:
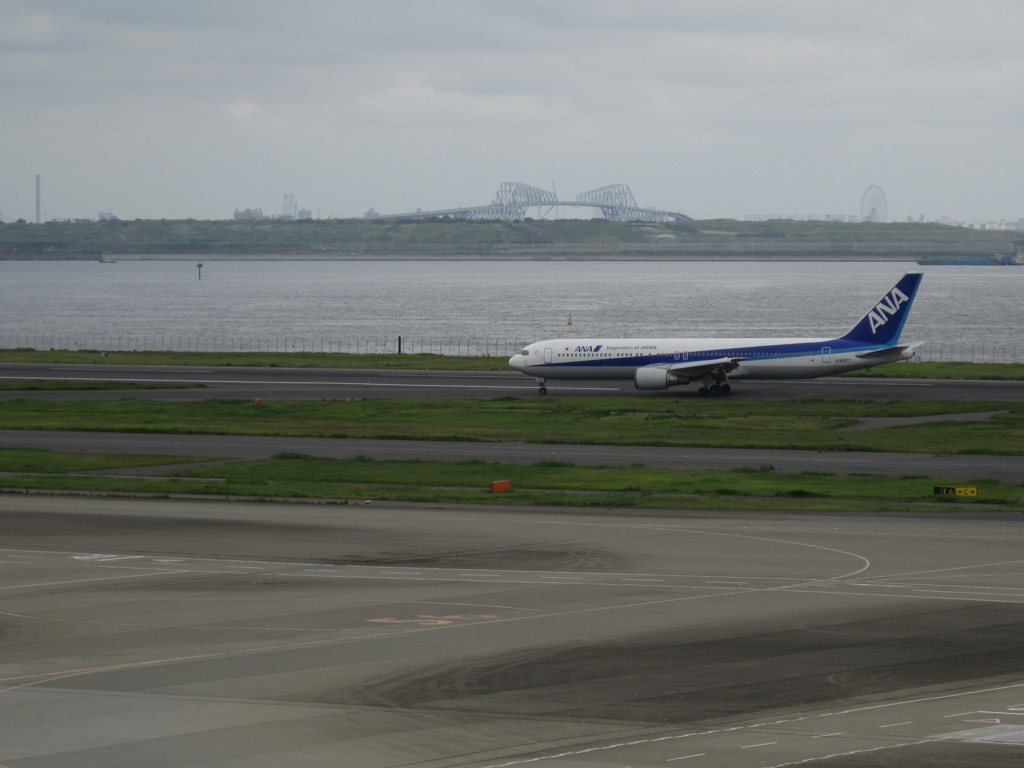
106 216
834 217
371 214
305 213
249 213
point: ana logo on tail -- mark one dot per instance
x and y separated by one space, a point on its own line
886 308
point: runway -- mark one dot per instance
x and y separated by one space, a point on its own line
174 633
335 383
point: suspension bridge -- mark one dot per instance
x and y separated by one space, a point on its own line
513 199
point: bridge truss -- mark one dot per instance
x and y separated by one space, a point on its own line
511 202
618 204
513 199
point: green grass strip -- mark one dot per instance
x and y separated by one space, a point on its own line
543 483
46 461
725 423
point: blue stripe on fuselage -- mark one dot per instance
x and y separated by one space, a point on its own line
767 352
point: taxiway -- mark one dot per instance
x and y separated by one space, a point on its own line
186 633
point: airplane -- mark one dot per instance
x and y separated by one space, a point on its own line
662 363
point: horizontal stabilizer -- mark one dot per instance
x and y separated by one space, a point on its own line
889 350
884 352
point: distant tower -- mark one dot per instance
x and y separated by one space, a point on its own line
289 205
39 200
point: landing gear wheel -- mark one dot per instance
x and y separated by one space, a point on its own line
715 389
726 389
703 392
543 390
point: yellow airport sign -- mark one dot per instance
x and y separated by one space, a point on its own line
956 490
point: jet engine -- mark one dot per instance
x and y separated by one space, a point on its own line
657 378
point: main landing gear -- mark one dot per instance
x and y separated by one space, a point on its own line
714 385
714 390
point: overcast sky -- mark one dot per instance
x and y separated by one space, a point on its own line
715 108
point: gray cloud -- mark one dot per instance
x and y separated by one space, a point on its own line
713 108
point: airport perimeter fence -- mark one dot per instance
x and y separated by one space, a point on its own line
384 345
969 353
388 345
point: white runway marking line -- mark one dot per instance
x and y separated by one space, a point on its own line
686 757
826 735
881 583
933 571
893 725
805 718
1004 714
591 579
588 579
854 752
978 599
86 581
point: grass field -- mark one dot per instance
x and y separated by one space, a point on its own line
725 423
352 238
822 425
297 476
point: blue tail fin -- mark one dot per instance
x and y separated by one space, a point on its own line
884 323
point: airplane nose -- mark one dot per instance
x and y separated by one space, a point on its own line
516 361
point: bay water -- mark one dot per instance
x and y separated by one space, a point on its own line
514 301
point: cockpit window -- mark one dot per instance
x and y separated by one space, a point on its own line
525 351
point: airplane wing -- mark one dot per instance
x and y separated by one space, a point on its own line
697 367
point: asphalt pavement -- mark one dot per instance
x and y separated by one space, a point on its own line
211 634
336 383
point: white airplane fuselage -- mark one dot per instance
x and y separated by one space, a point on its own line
620 358
661 363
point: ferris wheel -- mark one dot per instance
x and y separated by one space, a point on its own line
873 206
